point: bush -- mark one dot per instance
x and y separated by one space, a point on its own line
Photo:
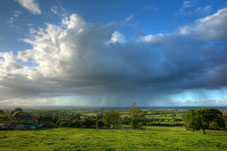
88 122
75 123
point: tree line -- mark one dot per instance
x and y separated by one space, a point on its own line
194 119
109 119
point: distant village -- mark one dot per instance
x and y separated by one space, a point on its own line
20 121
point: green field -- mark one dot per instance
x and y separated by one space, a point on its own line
153 138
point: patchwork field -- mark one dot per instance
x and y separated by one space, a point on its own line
153 138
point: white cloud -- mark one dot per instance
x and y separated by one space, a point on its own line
8 64
212 27
58 10
187 4
149 8
54 10
11 20
31 5
153 38
117 38
191 8
129 18
205 9
15 15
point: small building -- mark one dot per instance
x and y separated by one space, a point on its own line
24 121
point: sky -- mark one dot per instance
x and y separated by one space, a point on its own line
113 53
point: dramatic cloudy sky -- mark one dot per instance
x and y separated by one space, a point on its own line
113 53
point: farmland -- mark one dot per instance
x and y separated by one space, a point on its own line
153 138
167 134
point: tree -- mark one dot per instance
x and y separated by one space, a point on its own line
115 118
137 116
126 120
203 119
89 122
18 110
1 112
4 118
99 122
190 120
74 123
107 119
112 118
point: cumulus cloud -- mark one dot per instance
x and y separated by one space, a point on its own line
97 63
210 27
31 5
117 37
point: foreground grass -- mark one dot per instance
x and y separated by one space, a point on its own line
154 138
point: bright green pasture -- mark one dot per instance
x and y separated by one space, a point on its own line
154 138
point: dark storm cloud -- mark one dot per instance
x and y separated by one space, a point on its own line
81 59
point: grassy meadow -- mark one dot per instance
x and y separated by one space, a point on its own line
152 138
